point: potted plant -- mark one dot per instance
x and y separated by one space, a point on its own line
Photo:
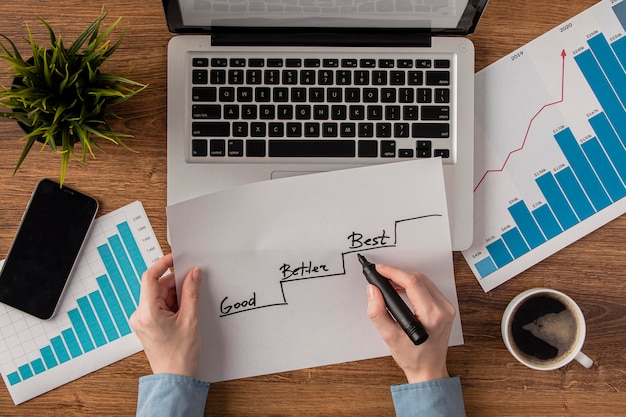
60 96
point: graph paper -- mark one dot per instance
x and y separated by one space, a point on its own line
90 328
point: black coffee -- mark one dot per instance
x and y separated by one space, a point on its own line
544 329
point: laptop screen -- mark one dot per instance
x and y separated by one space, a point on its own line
457 17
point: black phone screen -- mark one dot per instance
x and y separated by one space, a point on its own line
45 249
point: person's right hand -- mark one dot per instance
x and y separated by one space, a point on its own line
427 361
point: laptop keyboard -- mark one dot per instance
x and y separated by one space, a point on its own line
290 107
441 7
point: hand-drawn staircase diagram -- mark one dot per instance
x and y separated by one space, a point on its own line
308 269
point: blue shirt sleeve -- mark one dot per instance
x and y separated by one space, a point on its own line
171 395
440 397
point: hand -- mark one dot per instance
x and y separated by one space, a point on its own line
427 361
169 333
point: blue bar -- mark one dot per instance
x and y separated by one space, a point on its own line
485 267
81 330
14 378
553 194
620 11
116 278
71 342
104 316
133 249
38 366
610 65
611 143
515 242
604 169
48 357
114 306
603 91
59 349
127 269
619 46
581 167
499 253
547 221
92 321
574 193
25 372
527 225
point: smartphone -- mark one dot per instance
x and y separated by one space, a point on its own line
45 249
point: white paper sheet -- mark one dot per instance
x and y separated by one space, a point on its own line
282 287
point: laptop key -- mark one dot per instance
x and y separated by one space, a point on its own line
219 129
444 153
218 147
219 62
200 62
256 62
218 77
255 148
199 147
368 148
430 130
204 94
312 63
424 95
437 77
442 95
200 76
388 148
423 148
206 111
314 148
235 147
435 113
275 62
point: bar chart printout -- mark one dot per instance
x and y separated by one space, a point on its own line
90 328
551 163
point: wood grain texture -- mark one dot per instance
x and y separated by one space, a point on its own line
494 384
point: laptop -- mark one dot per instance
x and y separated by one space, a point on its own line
266 89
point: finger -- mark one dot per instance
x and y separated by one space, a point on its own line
167 284
190 293
429 303
150 279
414 284
167 281
378 314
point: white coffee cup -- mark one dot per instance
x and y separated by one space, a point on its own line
533 327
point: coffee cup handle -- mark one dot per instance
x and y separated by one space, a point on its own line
584 360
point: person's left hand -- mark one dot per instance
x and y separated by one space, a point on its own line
168 332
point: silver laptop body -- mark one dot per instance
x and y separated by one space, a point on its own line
217 140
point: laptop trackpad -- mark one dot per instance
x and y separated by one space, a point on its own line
285 174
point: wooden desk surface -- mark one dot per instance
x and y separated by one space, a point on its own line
494 384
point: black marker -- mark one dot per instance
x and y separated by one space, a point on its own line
396 306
